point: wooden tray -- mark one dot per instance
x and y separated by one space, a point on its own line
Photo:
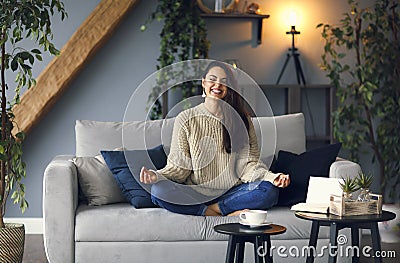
338 206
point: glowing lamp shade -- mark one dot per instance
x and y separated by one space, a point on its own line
292 18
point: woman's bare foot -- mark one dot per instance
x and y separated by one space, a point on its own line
237 213
212 210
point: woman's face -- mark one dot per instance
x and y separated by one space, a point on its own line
215 82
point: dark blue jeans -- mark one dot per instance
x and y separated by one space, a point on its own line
254 195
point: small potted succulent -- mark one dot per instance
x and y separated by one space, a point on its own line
364 182
348 186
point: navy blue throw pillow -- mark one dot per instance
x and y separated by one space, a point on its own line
300 167
127 179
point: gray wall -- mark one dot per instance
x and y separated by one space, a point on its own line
103 88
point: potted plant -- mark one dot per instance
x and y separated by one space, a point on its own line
367 90
364 182
348 186
183 37
19 20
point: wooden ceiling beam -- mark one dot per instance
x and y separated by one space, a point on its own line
59 73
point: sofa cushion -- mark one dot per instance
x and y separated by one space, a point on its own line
300 167
296 228
126 166
124 223
96 181
284 132
94 136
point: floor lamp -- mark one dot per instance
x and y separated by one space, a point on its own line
293 53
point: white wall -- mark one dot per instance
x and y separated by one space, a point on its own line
104 87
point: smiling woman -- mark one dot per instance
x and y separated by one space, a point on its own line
214 83
213 167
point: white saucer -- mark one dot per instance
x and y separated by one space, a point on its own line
242 222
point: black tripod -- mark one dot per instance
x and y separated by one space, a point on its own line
299 71
293 53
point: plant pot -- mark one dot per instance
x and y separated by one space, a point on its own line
364 195
390 230
12 240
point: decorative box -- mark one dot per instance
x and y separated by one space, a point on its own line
338 206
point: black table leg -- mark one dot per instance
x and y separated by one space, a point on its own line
240 251
355 242
268 252
376 242
313 241
333 242
258 250
230 253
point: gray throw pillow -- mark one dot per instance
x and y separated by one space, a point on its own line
97 181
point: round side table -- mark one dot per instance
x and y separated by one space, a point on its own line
240 234
355 223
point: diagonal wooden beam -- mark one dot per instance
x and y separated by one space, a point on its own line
59 73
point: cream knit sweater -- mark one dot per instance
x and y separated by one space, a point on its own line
197 156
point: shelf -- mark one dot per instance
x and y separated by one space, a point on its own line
293 105
258 18
294 98
244 16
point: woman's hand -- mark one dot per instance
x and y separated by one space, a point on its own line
147 177
282 181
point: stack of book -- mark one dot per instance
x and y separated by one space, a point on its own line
319 193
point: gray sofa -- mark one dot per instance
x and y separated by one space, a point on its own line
76 232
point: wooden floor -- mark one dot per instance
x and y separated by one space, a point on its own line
34 250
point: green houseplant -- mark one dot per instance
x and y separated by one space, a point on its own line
183 37
348 186
368 90
364 182
20 20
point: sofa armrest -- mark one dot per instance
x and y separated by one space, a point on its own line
344 168
60 200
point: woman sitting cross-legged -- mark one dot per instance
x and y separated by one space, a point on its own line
213 166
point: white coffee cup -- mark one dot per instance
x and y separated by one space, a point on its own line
254 217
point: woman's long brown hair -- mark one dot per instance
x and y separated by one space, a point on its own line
235 101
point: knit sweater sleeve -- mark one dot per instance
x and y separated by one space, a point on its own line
179 165
252 169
